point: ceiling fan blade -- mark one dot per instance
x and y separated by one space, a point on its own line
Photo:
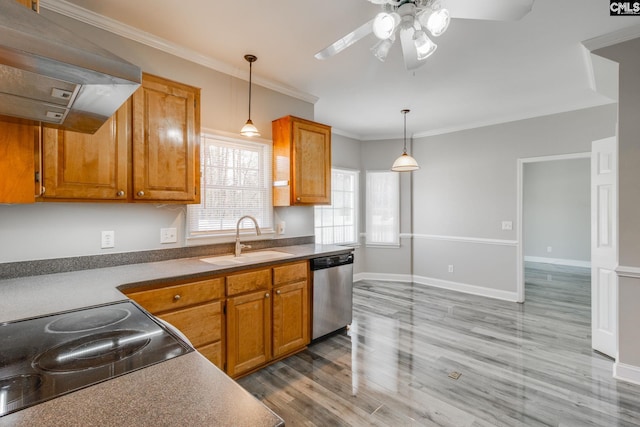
346 41
492 10
409 52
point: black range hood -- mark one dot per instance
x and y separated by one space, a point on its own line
50 75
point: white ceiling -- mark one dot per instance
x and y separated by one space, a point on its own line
483 72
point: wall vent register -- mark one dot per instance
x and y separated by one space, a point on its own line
46 357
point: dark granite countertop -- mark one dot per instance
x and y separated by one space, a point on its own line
186 390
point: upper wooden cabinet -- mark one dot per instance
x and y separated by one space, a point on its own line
166 141
148 151
19 144
31 4
301 162
80 166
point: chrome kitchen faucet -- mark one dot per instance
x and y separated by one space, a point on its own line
239 246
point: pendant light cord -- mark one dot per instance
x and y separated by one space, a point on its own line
404 112
250 72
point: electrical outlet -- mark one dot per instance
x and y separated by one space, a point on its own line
549 249
450 268
507 225
108 239
168 235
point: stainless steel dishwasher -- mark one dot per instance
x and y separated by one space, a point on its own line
332 293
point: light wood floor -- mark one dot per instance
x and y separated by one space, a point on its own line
522 364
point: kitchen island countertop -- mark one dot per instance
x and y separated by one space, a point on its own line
186 390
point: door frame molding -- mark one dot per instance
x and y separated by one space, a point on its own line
520 211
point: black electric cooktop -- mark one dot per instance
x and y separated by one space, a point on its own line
45 357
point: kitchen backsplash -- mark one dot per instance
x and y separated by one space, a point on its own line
14 270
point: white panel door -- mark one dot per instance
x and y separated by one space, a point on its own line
604 246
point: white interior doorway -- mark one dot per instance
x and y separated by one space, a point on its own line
541 244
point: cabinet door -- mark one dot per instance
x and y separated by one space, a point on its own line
80 166
312 163
17 153
248 332
290 318
166 141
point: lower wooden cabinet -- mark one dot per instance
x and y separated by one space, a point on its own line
290 318
240 322
196 308
248 332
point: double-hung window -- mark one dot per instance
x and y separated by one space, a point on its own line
383 208
235 181
338 223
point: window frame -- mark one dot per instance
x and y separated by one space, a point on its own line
356 207
395 208
247 228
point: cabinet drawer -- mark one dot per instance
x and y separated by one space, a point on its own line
214 353
290 273
201 324
247 282
179 296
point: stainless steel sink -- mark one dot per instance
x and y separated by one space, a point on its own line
247 258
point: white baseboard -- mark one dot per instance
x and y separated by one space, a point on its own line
467 289
559 261
628 373
383 277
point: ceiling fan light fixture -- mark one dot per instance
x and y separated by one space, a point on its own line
381 49
438 22
249 129
424 46
405 163
384 24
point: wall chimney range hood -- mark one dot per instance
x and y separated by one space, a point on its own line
50 75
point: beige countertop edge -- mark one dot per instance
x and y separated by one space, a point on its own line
187 390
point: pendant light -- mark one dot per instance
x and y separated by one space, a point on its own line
249 129
405 163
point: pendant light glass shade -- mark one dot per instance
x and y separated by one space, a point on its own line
405 163
249 129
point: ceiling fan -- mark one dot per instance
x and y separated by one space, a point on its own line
410 20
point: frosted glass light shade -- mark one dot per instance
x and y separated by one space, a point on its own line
438 22
405 163
381 49
384 24
249 129
424 46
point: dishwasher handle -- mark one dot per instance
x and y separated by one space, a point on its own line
331 261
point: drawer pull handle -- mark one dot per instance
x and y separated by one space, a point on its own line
266 295
177 297
278 292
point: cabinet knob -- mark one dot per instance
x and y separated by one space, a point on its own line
177 297
140 193
278 292
266 295
120 193
298 198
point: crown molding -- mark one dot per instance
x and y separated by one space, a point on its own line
78 13
619 36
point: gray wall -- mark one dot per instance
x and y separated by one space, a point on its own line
52 230
557 210
468 185
626 54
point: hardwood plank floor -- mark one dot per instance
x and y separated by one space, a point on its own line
525 364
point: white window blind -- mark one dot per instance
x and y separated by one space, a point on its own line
235 181
383 208
337 223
